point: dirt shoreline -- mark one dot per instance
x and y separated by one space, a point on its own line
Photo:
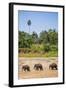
46 73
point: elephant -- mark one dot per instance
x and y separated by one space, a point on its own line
53 66
38 67
25 68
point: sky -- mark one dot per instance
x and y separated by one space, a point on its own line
40 21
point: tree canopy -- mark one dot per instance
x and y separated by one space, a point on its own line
45 37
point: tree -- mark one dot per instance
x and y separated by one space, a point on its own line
46 47
35 37
53 36
29 24
44 38
25 40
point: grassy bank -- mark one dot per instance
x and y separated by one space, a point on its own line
49 54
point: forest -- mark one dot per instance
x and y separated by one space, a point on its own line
43 45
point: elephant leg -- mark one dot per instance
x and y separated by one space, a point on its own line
38 68
35 67
41 68
52 68
28 69
25 69
56 68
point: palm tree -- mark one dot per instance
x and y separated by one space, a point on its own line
29 23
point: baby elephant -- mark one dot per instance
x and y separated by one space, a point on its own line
38 67
53 66
26 68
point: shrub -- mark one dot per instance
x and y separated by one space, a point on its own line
36 48
24 50
46 47
54 48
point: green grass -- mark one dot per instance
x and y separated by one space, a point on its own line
49 54
37 50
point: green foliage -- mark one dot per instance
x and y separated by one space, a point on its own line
25 40
53 36
44 44
36 48
49 54
49 37
44 37
46 47
24 50
35 37
54 48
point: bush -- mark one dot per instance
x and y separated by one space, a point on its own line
46 47
36 48
24 50
54 48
